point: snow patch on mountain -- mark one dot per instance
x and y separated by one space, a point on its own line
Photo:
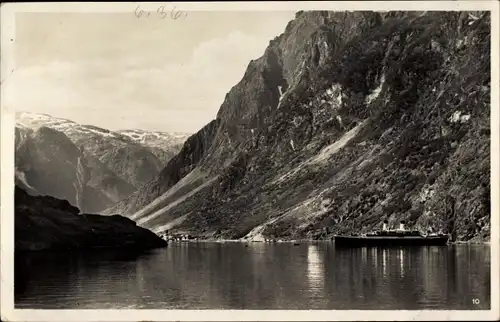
68 127
146 137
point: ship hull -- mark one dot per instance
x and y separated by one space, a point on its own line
361 241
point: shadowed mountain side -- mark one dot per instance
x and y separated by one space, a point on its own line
103 179
48 163
47 223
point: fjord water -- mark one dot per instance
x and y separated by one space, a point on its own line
258 276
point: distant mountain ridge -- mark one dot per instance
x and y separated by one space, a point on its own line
91 167
170 143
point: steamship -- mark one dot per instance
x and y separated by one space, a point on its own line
392 237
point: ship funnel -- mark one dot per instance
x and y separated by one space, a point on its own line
384 227
402 225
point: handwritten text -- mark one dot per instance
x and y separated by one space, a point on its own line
162 12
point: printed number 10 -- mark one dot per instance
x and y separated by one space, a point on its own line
475 301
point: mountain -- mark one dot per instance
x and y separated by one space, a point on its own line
92 168
48 163
133 160
163 145
47 223
348 119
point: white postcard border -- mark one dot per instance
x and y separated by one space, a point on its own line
8 313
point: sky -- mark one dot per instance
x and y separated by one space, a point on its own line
117 71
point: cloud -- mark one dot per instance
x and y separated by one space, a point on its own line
133 92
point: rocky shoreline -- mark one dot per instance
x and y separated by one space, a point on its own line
45 223
302 241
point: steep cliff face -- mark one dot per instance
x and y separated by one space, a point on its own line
82 178
348 119
47 223
48 163
49 155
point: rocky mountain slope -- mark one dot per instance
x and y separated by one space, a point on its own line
90 167
348 119
47 223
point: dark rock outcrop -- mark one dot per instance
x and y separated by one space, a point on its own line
47 223
347 120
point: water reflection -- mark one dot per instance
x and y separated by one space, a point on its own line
401 263
384 260
315 270
260 276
